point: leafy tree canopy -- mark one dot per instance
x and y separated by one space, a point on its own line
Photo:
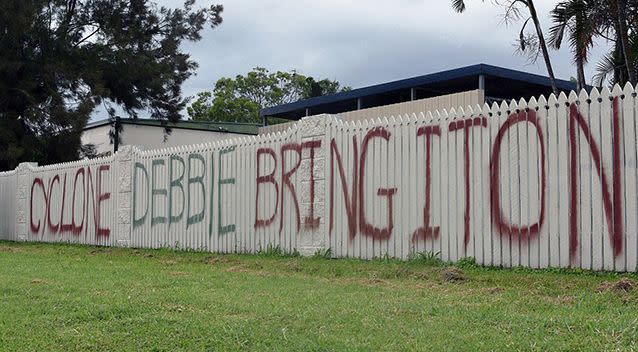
240 99
61 59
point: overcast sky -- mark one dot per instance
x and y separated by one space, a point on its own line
362 42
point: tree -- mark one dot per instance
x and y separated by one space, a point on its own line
621 28
579 18
588 20
531 44
61 59
240 99
623 37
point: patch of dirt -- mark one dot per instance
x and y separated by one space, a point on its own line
627 300
376 281
254 266
238 269
454 275
622 285
425 274
217 259
100 251
495 290
402 272
264 273
562 300
148 255
9 249
38 281
294 266
178 273
168 262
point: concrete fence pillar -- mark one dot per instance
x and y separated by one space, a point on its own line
23 174
313 184
124 166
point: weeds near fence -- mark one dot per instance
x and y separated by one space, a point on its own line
272 251
427 258
467 262
323 254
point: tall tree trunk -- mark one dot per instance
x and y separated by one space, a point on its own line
543 45
624 41
580 73
620 70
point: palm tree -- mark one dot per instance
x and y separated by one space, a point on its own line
513 13
621 7
586 20
580 19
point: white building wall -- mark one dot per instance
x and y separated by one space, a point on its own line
149 137
99 137
153 137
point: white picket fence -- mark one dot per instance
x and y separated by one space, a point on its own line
544 183
8 213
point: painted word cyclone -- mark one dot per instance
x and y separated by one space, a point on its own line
187 175
68 187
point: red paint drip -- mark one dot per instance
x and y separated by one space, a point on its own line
261 179
612 207
426 231
366 228
465 125
53 227
285 181
350 203
310 221
36 181
498 217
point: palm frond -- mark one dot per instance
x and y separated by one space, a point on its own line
458 5
560 20
604 68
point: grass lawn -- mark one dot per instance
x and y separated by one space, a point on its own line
66 297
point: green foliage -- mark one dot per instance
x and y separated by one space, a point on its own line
273 251
61 59
467 262
241 98
323 253
427 258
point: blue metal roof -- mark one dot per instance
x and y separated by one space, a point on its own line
439 77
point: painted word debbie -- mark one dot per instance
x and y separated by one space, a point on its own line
183 195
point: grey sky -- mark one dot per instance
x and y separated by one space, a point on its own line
360 42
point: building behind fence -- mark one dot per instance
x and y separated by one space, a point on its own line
544 183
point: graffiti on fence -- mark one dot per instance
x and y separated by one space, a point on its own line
79 195
186 188
186 183
353 195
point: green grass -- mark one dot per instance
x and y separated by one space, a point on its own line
65 297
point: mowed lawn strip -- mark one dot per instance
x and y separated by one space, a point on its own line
67 297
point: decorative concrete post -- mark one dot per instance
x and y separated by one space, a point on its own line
23 174
124 165
313 184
